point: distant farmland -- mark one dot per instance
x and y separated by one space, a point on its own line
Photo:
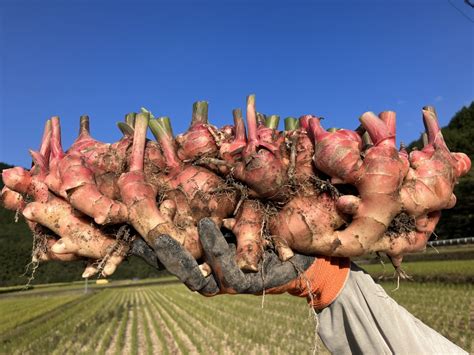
169 319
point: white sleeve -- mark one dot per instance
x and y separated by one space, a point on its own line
365 320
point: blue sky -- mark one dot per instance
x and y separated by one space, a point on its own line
337 59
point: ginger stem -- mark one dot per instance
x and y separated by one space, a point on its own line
84 126
161 129
291 124
251 119
272 121
239 125
130 119
139 141
46 140
200 113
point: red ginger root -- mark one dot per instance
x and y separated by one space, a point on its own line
192 192
397 245
140 198
378 179
247 227
199 140
71 177
305 218
206 194
198 183
231 149
427 189
433 173
14 201
304 151
56 214
264 168
78 235
31 183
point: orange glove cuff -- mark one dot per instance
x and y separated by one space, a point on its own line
321 283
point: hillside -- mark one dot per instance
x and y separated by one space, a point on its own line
16 240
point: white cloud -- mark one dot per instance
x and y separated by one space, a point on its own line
439 98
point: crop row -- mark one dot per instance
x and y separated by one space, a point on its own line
169 319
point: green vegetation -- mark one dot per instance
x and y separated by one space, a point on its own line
171 319
17 311
450 271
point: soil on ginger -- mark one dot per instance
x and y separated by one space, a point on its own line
401 224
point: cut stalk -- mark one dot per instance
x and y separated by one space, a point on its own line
144 110
46 140
272 121
389 117
333 129
56 146
366 139
125 129
239 125
304 122
251 119
84 125
317 131
360 130
430 120
166 123
162 131
130 119
424 139
200 113
291 124
431 109
261 119
139 141
377 129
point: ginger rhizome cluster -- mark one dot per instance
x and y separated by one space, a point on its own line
305 189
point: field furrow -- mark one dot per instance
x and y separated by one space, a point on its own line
156 337
116 342
143 336
200 335
247 325
161 328
184 342
130 333
99 334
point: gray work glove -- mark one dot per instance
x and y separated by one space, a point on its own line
226 276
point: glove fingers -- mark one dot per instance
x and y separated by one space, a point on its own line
180 263
141 249
221 258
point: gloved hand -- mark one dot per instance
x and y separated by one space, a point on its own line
142 250
319 279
